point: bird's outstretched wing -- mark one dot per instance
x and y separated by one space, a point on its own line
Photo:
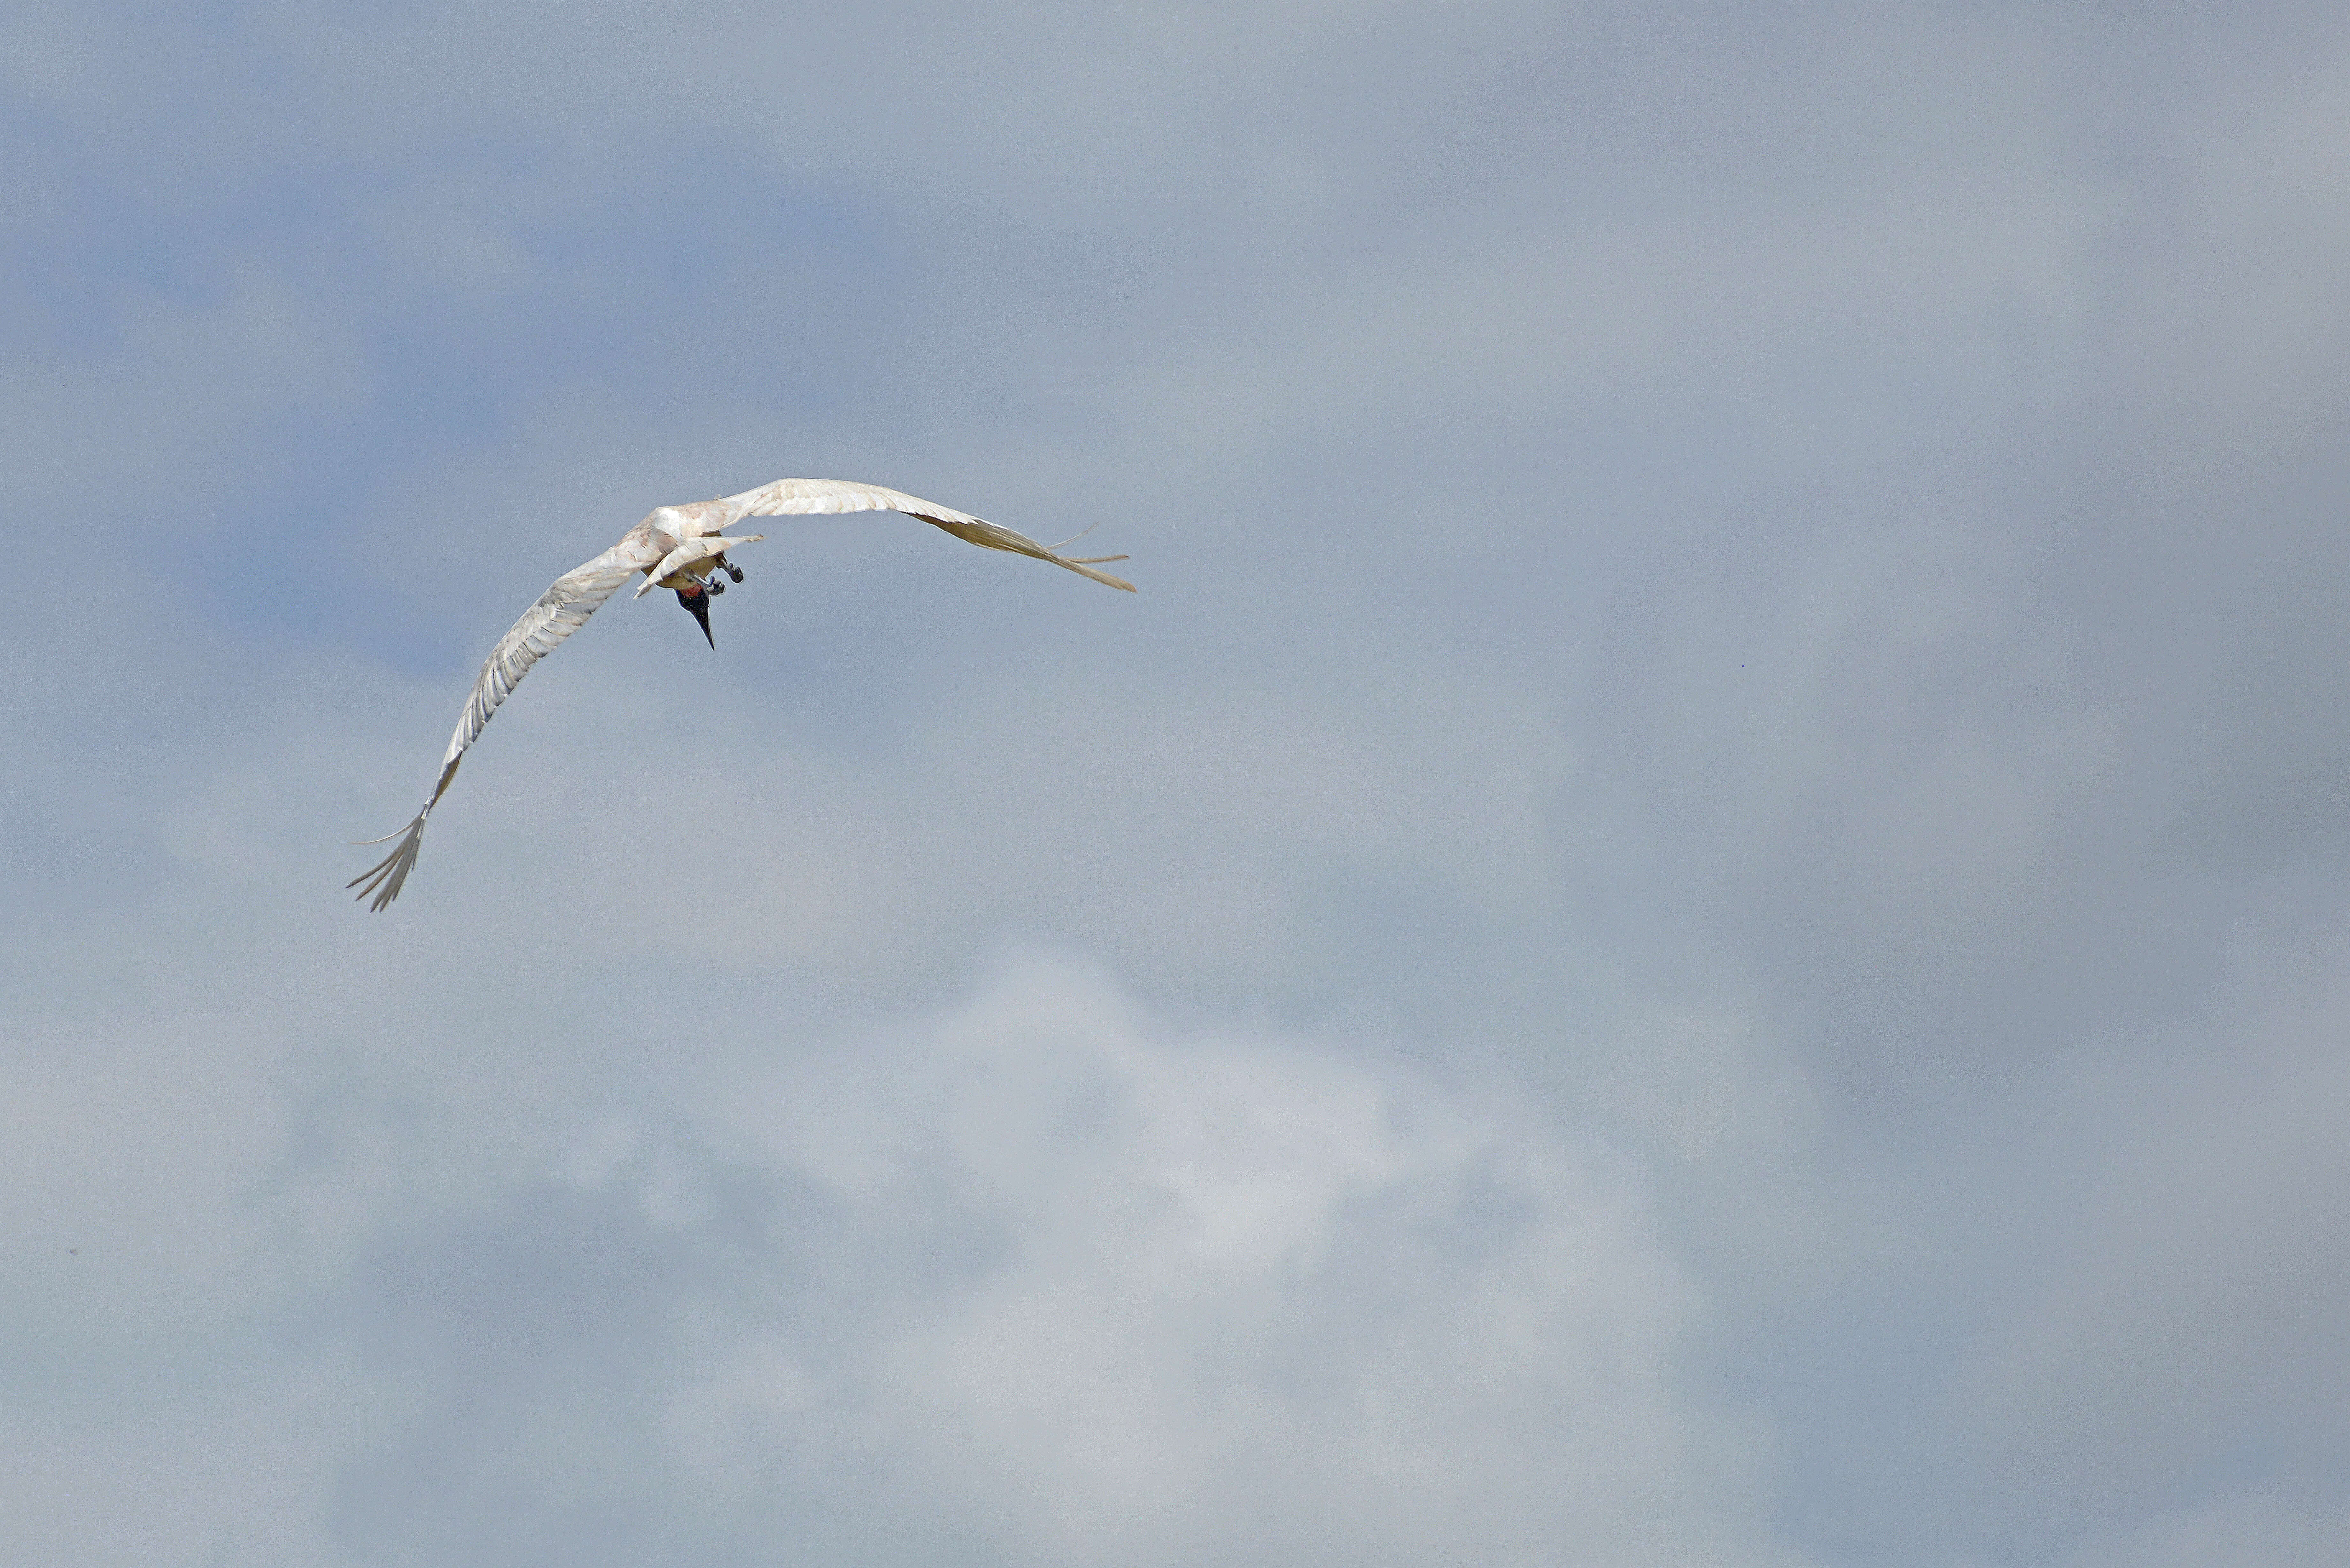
788 496
562 609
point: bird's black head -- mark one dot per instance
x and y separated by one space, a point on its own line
697 601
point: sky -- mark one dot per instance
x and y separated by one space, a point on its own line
1697 918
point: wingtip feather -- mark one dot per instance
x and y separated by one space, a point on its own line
385 878
1102 577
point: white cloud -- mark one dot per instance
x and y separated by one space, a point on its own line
1043 1278
1770 580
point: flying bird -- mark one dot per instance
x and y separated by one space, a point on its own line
682 548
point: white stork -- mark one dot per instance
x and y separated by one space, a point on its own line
681 548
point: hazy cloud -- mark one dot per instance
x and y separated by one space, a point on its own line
1696 918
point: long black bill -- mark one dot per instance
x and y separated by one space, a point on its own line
696 600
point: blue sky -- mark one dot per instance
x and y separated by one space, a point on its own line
1696 918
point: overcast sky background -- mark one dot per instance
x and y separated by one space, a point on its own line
1697 918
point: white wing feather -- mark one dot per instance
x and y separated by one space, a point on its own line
562 609
788 496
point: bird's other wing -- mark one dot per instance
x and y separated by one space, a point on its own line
562 609
788 496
